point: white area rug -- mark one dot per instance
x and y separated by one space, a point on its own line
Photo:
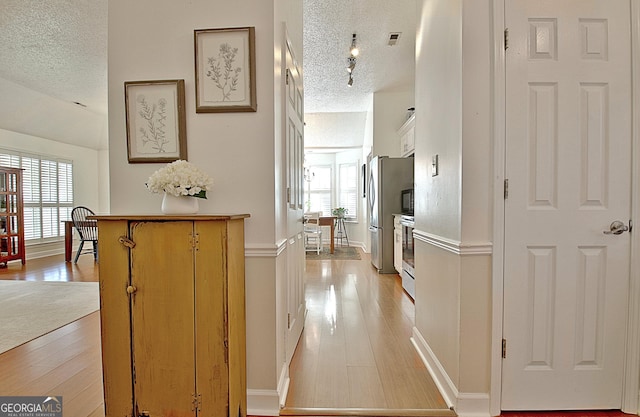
29 309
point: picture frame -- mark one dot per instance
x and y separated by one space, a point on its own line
156 121
225 69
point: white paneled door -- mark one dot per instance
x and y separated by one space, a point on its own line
568 164
293 108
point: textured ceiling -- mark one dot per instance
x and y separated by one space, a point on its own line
56 47
328 28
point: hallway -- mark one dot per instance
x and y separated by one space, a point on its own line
355 351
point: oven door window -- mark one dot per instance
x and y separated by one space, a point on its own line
407 246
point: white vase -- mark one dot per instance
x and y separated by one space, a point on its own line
179 205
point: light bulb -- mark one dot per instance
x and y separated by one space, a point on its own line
354 48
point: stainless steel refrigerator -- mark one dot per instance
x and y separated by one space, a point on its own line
387 178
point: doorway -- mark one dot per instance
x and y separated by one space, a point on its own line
568 164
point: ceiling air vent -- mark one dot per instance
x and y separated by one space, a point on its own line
394 37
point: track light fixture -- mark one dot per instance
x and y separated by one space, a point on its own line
351 64
351 61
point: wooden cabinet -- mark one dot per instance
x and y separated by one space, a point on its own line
173 315
407 137
11 216
397 243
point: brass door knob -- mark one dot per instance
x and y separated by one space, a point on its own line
131 289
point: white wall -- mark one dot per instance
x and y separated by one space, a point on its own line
87 178
243 152
438 117
477 147
367 143
453 209
438 130
389 110
236 149
104 202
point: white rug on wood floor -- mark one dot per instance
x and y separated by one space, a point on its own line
29 309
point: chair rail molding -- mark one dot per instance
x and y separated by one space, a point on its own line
265 250
455 246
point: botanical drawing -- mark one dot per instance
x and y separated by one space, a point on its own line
156 122
225 70
155 115
222 72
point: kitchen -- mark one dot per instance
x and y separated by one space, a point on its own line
374 233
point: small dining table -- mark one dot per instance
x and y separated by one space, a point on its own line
328 221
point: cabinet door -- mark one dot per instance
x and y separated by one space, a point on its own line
162 318
411 140
212 335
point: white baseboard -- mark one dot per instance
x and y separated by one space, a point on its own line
352 244
445 385
465 404
263 402
473 405
360 245
269 402
42 250
283 384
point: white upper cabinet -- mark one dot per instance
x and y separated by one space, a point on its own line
407 136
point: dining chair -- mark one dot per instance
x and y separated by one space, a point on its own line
312 232
87 229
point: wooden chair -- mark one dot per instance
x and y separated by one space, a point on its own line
87 229
312 232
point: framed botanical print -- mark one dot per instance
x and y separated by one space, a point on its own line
156 121
225 70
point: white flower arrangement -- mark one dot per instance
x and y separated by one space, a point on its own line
180 178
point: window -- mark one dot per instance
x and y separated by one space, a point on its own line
47 191
319 189
348 189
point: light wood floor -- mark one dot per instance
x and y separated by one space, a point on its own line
65 362
354 357
355 351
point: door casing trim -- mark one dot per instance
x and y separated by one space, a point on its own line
630 398
499 146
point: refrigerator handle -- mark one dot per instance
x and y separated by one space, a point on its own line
372 190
